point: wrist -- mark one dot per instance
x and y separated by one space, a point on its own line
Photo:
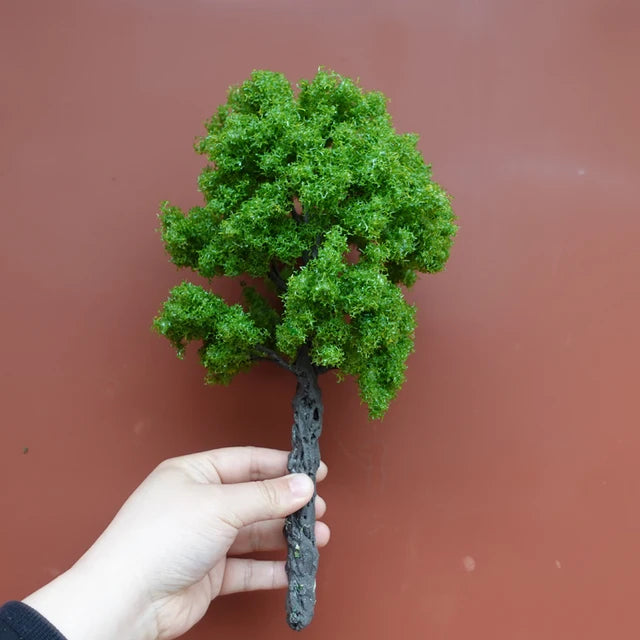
95 601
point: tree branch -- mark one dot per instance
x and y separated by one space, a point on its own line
270 354
313 252
276 278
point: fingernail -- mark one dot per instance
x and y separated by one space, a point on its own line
300 485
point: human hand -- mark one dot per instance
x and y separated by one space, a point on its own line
169 551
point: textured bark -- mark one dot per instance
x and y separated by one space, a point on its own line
299 529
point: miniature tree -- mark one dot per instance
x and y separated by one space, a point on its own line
315 193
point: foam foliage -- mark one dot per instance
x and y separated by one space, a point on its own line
313 190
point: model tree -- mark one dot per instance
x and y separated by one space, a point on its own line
312 191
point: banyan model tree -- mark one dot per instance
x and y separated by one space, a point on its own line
312 195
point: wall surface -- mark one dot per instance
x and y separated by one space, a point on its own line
500 497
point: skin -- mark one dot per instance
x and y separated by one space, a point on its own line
172 547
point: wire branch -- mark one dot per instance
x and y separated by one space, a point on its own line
277 279
313 252
270 354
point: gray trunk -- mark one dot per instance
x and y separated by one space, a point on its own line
299 528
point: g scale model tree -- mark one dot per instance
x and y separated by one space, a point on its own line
315 193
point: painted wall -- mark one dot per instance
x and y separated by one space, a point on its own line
500 497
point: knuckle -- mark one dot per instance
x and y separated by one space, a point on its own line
225 513
254 464
270 495
166 465
255 538
248 575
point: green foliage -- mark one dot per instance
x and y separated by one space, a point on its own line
318 188
228 334
262 313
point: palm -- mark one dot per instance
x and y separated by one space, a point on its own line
185 608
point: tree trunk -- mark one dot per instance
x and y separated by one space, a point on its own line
299 528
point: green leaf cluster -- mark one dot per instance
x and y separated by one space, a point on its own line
316 187
229 335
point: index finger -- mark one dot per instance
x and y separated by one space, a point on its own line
244 464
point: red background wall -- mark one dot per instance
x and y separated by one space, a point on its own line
500 496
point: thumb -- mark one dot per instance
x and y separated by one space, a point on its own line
248 502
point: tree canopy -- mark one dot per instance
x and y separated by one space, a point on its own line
313 191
